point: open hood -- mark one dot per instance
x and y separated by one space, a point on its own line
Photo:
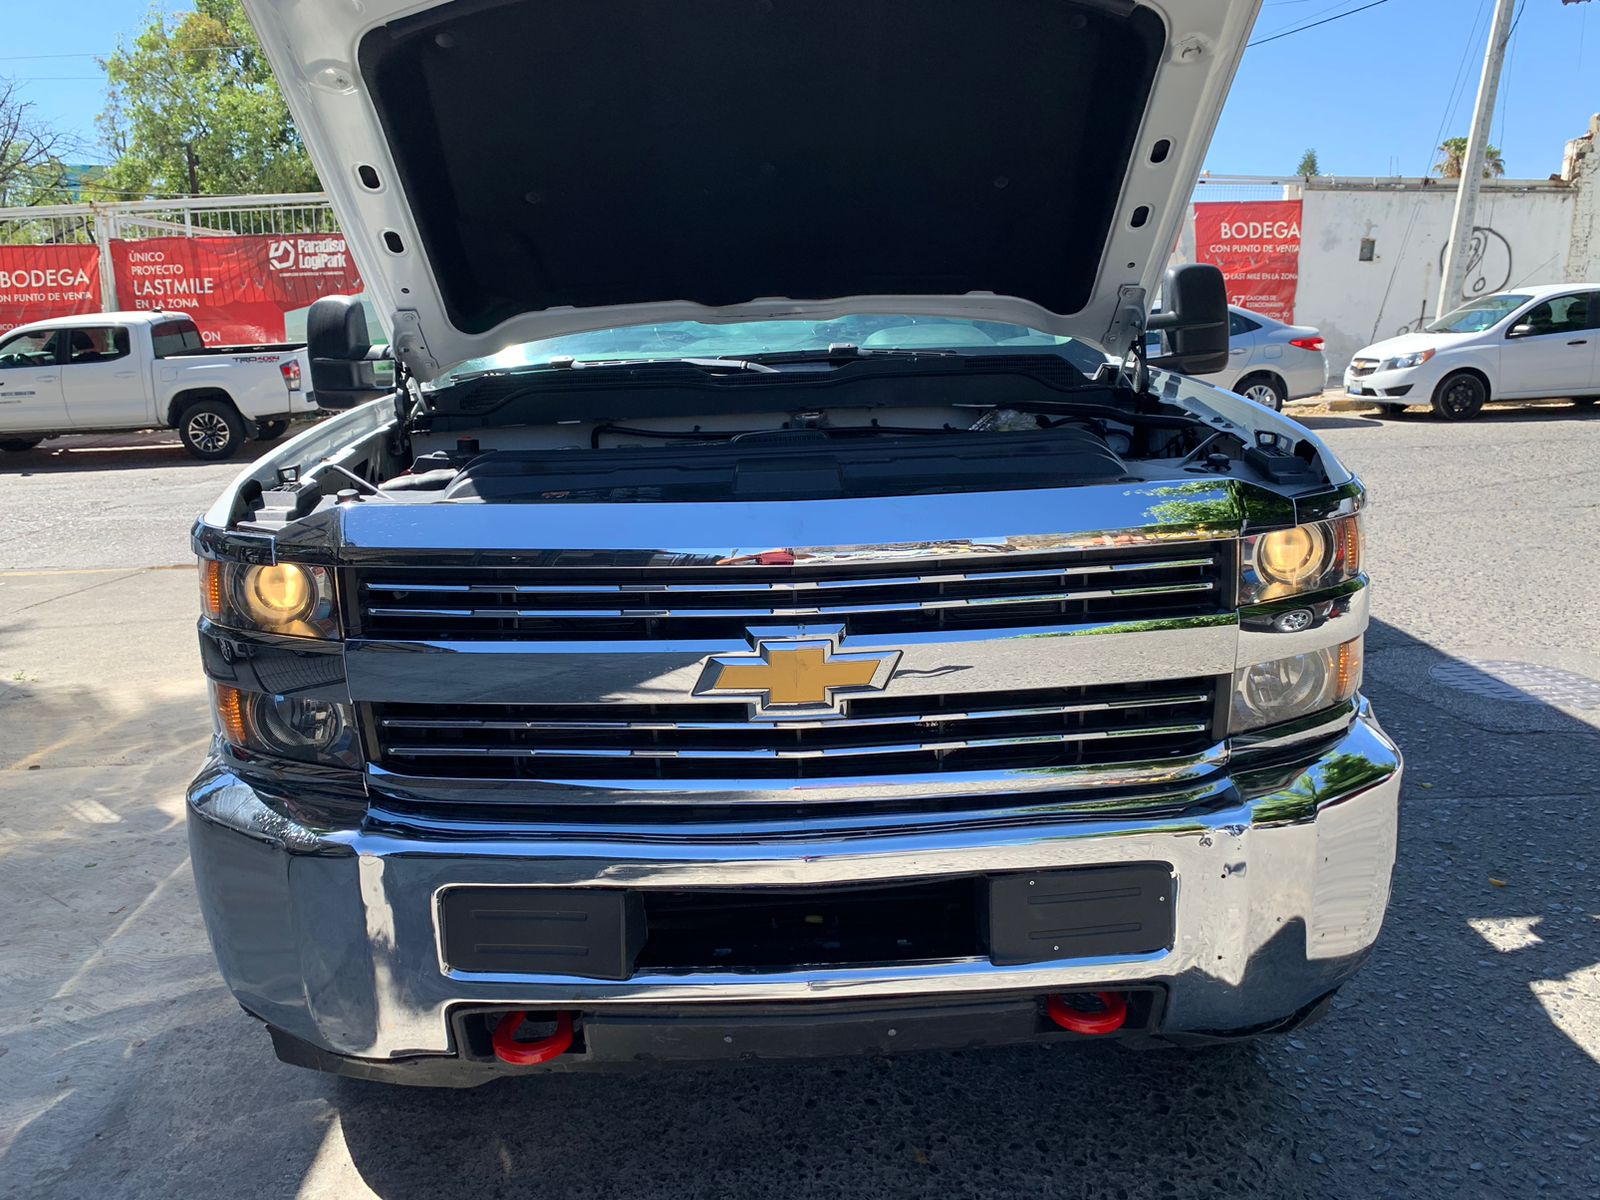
509 170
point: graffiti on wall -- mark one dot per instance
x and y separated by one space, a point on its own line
1489 263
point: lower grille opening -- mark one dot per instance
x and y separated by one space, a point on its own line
907 923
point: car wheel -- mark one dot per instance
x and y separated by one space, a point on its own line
271 431
1459 397
19 445
1264 389
211 430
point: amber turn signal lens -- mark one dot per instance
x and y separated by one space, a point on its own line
230 713
211 588
1347 670
1350 539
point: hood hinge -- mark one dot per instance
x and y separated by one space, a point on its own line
409 346
1127 323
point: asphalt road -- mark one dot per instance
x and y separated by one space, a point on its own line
1461 1063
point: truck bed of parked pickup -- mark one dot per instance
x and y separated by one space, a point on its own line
104 372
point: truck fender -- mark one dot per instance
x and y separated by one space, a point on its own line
191 396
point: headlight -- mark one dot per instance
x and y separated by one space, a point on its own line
282 598
1401 361
1302 558
307 730
1270 693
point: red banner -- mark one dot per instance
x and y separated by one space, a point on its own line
47 281
236 289
1257 245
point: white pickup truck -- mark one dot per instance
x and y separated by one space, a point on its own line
104 372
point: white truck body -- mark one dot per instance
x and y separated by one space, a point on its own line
105 372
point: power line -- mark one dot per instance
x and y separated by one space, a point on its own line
107 54
1326 20
1453 101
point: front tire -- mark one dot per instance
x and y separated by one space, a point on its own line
1460 397
1264 389
271 431
211 430
19 445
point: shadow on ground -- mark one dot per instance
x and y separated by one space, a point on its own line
1311 421
1459 1063
114 452
1497 412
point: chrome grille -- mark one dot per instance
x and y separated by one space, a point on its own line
1041 729
1363 366
723 600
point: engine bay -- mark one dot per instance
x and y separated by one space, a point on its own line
816 429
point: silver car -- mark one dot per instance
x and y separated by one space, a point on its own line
1269 362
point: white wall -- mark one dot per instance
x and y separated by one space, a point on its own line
1523 237
1581 166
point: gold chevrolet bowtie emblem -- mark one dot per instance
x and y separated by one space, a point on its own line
796 676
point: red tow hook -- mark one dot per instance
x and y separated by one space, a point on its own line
1113 1017
525 1054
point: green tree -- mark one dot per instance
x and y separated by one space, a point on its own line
31 167
1308 165
192 109
1453 153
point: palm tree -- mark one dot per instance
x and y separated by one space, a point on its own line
1454 152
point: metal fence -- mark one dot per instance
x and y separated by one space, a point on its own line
93 223
1247 187
131 220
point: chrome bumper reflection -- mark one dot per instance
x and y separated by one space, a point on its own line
1283 878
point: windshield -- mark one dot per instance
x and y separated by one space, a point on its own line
695 339
1479 315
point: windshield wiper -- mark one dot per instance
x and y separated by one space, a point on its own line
817 433
842 352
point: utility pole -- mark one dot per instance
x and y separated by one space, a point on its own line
1465 220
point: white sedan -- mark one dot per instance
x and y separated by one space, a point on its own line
1533 343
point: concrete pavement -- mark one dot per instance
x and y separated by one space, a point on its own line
1461 1063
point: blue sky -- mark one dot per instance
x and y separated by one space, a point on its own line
1371 92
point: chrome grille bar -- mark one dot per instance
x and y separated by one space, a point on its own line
821 610
653 602
798 585
953 735
770 752
1045 710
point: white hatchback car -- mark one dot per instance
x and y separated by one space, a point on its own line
1533 343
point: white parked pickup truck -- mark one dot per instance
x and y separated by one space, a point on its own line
103 372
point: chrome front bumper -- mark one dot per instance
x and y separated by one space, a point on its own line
330 935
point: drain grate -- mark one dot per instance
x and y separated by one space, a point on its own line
1519 682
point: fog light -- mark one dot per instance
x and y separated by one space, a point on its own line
293 725
1270 693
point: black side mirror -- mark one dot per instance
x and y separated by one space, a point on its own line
343 373
1195 320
